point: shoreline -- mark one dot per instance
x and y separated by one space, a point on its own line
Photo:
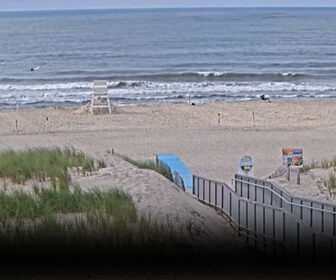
84 103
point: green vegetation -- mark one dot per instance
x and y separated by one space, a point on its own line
43 164
72 223
332 180
324 164
330 183
161 168
43 202
63 219
314 164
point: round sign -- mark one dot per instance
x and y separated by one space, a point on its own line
246 164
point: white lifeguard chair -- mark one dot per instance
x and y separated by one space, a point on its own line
100 98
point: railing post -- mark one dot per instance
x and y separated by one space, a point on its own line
301 210
322 218
223 198
230 205
193 185
203 189
216 195
298 171
334 229
284 227
197 187
255 224
298 240
264 221
235 183
311 214
209 186
314 248
239 216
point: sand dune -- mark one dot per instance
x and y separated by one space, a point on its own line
156 197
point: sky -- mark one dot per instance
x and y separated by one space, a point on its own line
117 4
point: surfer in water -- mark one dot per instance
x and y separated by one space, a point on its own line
34 68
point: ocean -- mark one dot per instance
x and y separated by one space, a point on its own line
154 56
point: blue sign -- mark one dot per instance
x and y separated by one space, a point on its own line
246 164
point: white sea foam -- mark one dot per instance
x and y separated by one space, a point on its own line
215 74
156 92
56 86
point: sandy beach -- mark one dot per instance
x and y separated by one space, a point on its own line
207 147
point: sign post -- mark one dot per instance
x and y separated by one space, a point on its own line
293 158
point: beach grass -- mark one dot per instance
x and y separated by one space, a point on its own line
324 164
66 221
162 169
332 181
159 168
74 222
43 164
312 165
46 201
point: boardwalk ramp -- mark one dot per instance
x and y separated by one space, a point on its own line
181 174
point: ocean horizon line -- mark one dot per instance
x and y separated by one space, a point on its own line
169 8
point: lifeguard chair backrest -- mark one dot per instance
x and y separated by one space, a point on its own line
100 83
99 88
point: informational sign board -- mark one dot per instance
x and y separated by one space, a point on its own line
292 157
246 166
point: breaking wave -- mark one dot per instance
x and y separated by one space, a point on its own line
154 92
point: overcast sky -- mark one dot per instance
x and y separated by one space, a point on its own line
101 4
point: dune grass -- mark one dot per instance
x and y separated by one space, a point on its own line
324 164
331 181
161 168
43 164
66 221
19 205
73 222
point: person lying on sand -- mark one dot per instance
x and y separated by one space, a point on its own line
265 98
